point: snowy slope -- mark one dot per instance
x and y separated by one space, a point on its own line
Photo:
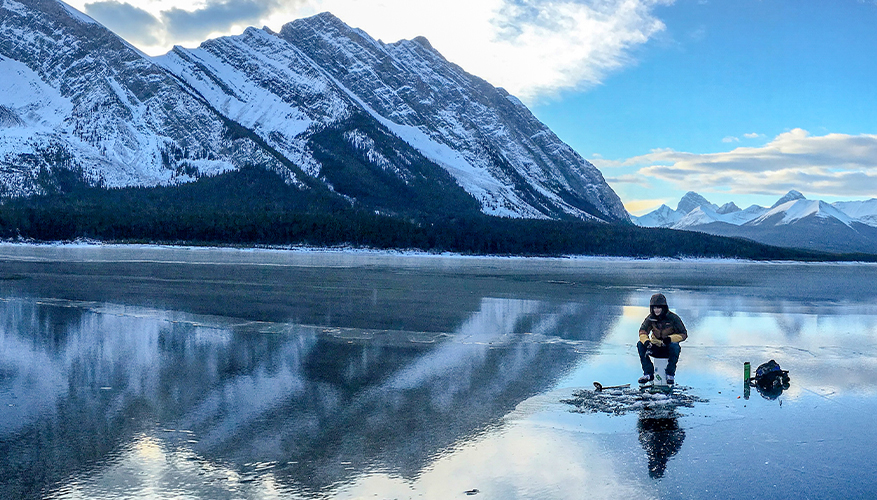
30 114
100 107
319 102
792 221
270 87
663 216
266 85
698 216
287 96
34 104
744 216
863 211
706 215
695 210
489 141
790 212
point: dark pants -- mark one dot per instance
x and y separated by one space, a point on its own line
669 350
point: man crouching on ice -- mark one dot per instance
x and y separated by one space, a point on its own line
660 335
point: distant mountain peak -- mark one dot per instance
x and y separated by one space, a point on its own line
663 216
790 196
801 208
728 208
692 200
793 221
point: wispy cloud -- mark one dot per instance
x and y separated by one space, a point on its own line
134 24
159 26
698 34
829 165
561 45
731 139
533 48
627 179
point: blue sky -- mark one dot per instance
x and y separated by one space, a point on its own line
739 100
736 74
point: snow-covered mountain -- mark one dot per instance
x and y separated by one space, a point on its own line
694 210
663 216
76 96
862 211
487 139
793 221
790 212
324 105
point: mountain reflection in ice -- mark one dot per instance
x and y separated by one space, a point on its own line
86 380
222 374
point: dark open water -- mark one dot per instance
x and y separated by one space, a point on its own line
144 372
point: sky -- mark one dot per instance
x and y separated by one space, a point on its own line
738 100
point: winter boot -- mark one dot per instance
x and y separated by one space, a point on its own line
646 378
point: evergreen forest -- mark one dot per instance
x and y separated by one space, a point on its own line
254 206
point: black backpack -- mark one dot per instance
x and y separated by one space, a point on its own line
770 380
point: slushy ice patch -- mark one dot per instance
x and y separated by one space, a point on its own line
622 401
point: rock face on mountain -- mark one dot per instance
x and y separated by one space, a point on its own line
793 221
273 89
513 164
386 126
692 200
80 98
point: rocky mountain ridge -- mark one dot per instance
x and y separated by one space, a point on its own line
387 127
792 221
82 99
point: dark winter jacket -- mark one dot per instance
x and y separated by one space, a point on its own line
667 326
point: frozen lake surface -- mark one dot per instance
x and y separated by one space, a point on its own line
149 372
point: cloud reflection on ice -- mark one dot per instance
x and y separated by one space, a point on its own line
428 377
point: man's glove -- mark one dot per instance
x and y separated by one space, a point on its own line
658 343
647 344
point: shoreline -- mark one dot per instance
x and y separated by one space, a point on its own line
289 250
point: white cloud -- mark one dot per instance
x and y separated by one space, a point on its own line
731 139
216 16
829 165
533 48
